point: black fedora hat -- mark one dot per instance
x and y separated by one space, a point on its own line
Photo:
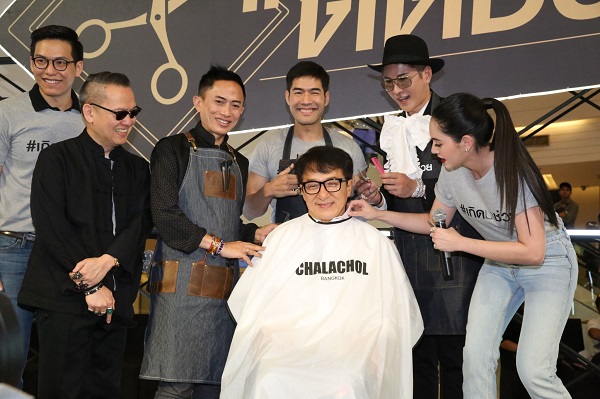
407 49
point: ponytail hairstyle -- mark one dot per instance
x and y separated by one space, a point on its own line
461 114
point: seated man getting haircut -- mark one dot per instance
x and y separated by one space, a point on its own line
328 311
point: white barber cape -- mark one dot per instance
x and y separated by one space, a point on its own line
327 312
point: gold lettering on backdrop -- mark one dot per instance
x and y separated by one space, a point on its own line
484 23
572 9
252 5
395 14
451 24
311 44
365 28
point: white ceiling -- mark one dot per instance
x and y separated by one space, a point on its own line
574 151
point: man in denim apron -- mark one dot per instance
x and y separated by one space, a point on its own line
197 194
407 71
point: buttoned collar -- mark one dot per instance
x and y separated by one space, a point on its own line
205 139
96 149
40 104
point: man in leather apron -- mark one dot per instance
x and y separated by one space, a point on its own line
406 72
271 178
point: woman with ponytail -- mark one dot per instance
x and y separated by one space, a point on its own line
492 181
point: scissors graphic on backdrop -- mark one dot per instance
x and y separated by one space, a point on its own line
157 19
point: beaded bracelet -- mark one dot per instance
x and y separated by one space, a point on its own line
94 289
214 245
211 248
221 245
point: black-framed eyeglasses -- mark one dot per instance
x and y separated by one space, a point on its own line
59 64
122 114
331 185
402 82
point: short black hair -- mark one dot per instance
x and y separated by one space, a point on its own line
307 68
93 91
58 32
324 159
565 184
216 73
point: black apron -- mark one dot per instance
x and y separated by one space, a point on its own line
291 207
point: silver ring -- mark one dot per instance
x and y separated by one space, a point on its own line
76 276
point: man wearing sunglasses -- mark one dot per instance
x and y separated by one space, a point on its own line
406 73
90 203
328 310
29 122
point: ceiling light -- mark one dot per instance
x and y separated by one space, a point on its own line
550 181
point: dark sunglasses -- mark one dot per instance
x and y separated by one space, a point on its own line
120 115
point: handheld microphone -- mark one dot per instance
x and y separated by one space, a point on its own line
439 218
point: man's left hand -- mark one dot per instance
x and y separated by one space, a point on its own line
399 184
93 270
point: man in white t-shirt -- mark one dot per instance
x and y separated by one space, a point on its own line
271 179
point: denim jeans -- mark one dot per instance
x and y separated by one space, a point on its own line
14 255
547 291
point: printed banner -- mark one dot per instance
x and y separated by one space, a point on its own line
492 48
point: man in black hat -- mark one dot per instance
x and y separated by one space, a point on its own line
408 186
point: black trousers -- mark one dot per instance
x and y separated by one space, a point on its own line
80 357
445 352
